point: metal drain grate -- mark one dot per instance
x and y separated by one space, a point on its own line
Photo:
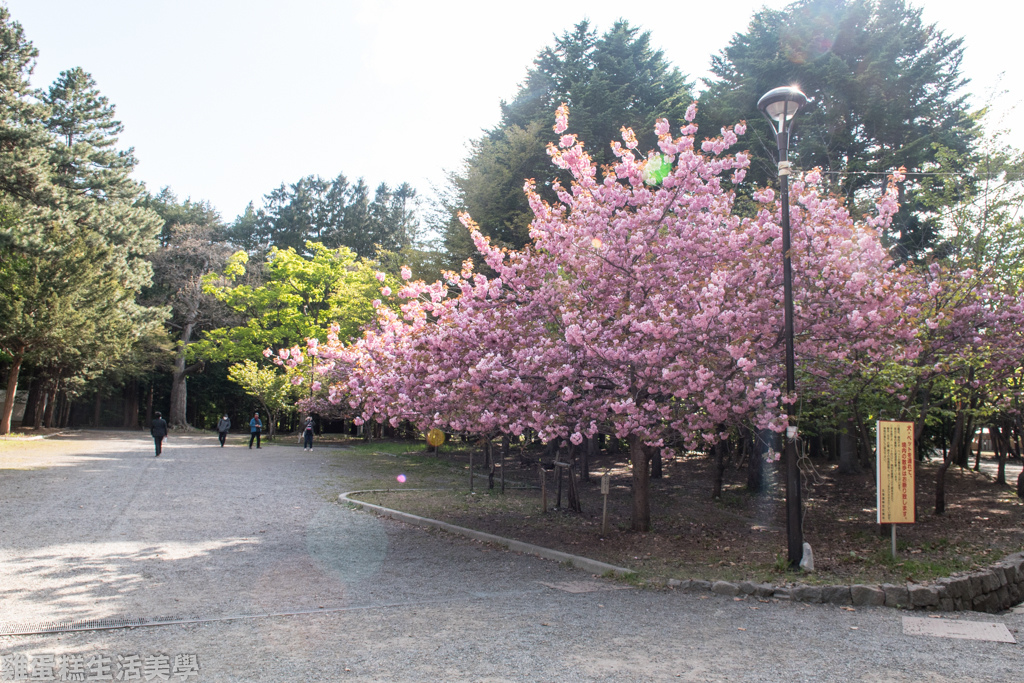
85 625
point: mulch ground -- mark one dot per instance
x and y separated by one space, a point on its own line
741 535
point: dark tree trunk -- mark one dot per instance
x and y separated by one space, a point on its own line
656 463
65 413
848 463
919 423
12 390
589 452
149 407
29 417
940 477
130 418
179 385
51 400
641 484
763 442
720 449
999 445
867 454
40 409
97 409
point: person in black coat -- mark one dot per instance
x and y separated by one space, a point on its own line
159 431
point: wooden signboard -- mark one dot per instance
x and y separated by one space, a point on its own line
895 473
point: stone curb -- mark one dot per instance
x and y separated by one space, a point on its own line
991 590
584 563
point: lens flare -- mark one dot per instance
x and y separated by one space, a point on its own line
400 478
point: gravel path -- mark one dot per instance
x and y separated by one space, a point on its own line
92 526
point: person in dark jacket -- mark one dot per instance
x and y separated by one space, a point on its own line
222 429
307 434
159 431
255 427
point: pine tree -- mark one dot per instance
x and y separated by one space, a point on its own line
885 91
610 81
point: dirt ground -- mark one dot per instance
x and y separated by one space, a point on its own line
741 535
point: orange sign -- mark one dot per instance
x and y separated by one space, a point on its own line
895 473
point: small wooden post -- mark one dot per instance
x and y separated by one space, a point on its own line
471 470
543 488
605 487
504 449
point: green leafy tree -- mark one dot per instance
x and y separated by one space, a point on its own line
610 81
268 386
299 299
885 92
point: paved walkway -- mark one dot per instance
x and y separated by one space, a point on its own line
92 526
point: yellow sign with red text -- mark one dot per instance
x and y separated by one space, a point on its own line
895 473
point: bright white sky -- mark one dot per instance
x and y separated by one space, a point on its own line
223 100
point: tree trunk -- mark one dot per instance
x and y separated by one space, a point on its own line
919 423
51 399
130 417
40 409
656 464
574 491
589 452
179 386
29 417
867 454
97 409
763 442
940 477
641 484
1000 446
848 449
720 449
149 407
977 454
65 413
12 389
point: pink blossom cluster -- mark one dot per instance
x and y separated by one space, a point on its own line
651 311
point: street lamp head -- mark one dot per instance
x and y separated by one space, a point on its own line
780 106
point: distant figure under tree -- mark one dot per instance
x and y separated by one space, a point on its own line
159 431
223 426
255 427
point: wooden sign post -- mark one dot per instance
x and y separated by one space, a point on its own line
895 475
605 488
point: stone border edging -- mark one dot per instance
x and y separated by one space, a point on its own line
575 560
991 590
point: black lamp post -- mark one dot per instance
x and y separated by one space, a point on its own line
780 106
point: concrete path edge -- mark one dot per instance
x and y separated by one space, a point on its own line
583 563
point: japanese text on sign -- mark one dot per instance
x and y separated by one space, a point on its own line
895 473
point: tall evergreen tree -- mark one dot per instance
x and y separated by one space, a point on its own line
85 130
610 81
885 91
24 167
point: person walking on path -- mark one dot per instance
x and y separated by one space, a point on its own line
159 431
307 434
255 427
222 429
